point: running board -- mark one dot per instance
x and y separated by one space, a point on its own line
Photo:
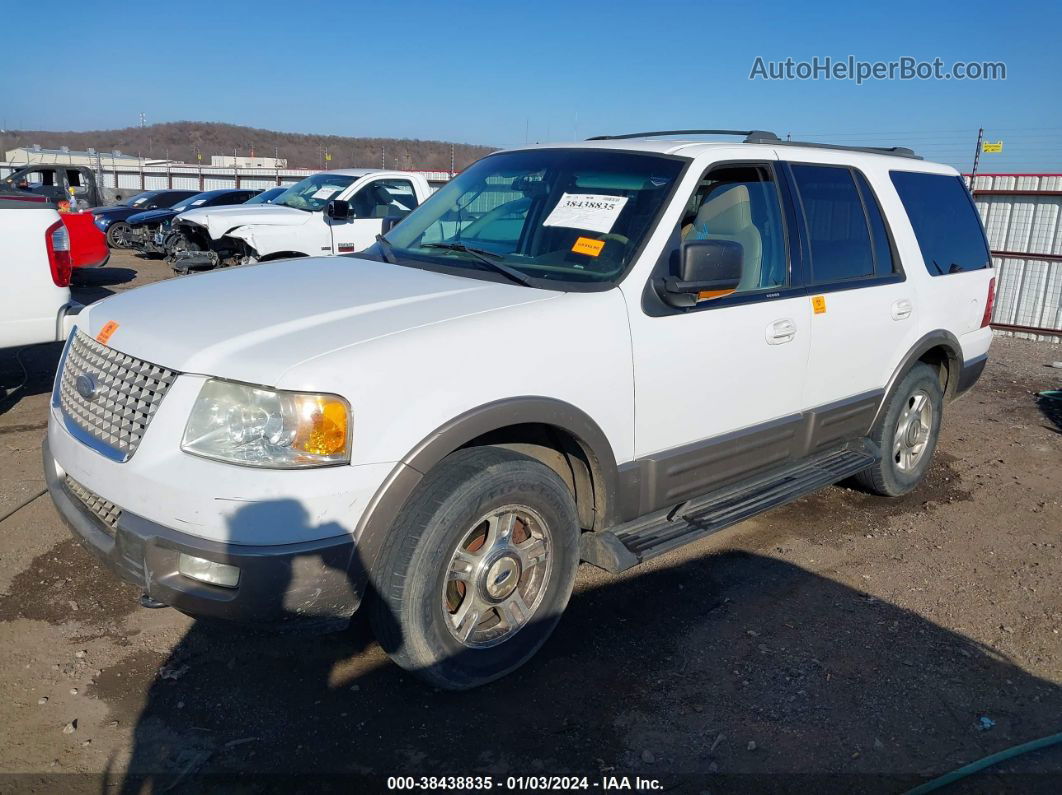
629 544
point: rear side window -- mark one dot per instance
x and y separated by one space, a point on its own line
945 222
837 224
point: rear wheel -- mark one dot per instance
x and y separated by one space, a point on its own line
477 568
116 234
907 434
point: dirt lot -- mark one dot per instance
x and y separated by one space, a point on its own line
843 642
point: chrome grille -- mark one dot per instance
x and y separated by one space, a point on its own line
128 392
106 512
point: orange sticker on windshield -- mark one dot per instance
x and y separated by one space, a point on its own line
588 246
106 332
818 304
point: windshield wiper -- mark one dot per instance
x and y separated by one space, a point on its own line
488 258
386 247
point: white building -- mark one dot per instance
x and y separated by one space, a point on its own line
230 161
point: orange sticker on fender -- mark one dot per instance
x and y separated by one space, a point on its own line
818 303
588 246
106 332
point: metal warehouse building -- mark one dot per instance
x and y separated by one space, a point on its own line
1022 214
67 156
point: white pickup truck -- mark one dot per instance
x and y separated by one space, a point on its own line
334 212
35 262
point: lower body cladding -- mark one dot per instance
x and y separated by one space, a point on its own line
311 582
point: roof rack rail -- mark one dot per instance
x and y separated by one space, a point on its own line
767 137
895 151
749 134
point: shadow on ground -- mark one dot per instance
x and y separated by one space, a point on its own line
90 284
733 662
27 371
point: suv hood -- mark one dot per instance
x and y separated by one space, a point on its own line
151 217
255 322
114 213
220 220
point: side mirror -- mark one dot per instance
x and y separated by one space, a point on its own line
390 222
338 210
706 266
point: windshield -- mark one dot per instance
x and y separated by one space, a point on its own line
266 196
140 199
197 200
314 192
551 214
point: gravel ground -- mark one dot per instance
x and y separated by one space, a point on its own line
842 642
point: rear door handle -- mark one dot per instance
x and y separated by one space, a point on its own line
781 332
902 309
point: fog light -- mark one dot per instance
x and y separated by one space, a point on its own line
208 571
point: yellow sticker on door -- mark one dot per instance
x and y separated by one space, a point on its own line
818 304
105 333
588 246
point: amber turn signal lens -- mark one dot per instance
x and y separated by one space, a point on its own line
322 425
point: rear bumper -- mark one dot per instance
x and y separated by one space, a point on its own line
307 582
970 373
65 319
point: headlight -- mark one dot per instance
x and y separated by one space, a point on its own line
101 222
261 427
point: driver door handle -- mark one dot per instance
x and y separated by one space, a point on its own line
781 332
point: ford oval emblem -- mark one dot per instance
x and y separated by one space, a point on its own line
86 386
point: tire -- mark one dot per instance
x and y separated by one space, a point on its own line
432 579
116 233
907 444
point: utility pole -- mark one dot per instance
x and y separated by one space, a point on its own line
977 157
451 160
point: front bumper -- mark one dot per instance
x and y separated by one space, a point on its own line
311 581
147 239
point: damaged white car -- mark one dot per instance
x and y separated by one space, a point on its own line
334 212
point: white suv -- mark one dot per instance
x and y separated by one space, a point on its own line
598 351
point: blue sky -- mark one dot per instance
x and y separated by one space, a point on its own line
497 73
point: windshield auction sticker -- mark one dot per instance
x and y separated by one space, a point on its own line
592 211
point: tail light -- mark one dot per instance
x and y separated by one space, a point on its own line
989 301
57 239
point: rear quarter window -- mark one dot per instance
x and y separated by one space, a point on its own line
945 222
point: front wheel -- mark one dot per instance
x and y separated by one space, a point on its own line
477 568
116 234
907 434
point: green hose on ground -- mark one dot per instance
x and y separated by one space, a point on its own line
988 761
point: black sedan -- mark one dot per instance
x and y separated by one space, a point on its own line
112 220
148 230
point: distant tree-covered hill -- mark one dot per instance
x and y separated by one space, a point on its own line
181 140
